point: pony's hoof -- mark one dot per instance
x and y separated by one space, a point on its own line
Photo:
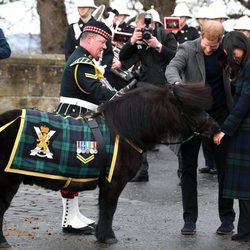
111 241
5 245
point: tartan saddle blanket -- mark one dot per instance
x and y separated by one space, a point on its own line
58 147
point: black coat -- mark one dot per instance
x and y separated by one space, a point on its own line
186 34
5 50
153 63
81 79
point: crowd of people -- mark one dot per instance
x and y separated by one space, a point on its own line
158 56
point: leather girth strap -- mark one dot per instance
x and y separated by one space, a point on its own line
101 146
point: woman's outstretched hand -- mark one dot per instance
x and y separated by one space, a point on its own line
218 137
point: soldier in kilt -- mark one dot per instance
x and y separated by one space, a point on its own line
83 88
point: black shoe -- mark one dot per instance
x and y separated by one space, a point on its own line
140 178
225 228
213 171
189 228
204 170
237 237
79 231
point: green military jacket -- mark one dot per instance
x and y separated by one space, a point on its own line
81 79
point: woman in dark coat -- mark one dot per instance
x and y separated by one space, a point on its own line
5 50
237 126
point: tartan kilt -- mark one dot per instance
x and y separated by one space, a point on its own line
237 171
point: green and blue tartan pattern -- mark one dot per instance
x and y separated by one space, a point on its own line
63 146
237 125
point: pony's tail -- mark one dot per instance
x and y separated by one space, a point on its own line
196 96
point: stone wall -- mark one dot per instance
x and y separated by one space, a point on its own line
30 81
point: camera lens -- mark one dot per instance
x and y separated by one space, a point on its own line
146 35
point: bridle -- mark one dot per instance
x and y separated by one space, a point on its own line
181 141
194 133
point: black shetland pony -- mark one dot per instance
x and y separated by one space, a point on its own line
142 118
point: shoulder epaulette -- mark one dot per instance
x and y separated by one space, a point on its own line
84 60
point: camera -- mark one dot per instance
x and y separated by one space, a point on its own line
147 31
172 23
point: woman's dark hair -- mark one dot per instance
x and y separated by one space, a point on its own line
235 40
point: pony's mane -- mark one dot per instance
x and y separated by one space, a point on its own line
142 115
148 114
193 96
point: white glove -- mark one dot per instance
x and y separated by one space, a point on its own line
100 67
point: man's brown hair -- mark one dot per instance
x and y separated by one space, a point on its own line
212 30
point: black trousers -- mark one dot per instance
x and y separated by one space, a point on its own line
243 228
189 154
208 152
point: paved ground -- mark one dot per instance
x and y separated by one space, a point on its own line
149 215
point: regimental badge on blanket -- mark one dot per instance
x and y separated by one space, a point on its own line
44 135
58 147
88 148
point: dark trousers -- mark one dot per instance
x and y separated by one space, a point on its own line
243 228
208 152
189 153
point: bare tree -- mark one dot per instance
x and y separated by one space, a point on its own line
53 24
99 2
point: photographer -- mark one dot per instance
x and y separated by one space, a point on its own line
154 48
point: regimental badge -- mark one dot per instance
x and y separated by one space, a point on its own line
44 135
86 148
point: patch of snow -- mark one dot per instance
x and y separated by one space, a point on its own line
20 17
